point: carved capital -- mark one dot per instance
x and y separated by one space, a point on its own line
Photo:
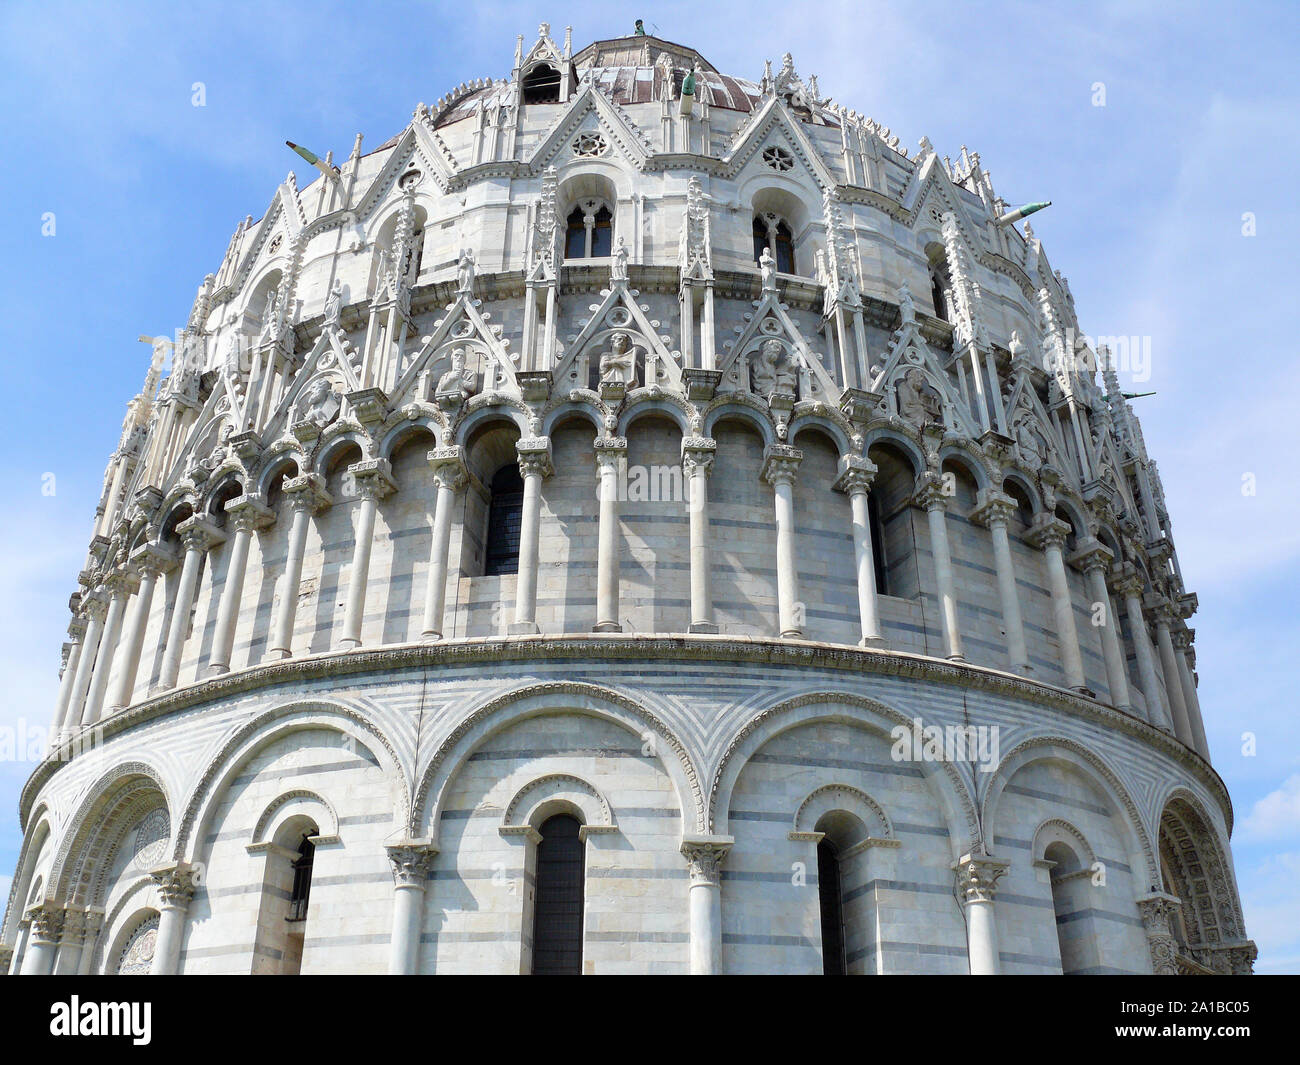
1158 910
411 859
448 466
535 456
1091 555
374 478
176 882
611 452
994 508
704 857
856 475
781 464
1048 531
46 921
698 454
249 513
978 876
153 559
306 492
930 493
199 534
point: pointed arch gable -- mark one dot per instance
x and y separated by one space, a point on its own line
559 696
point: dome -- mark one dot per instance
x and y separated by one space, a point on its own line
636 519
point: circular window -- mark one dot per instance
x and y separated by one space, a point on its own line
778 159
590 145
276 241
410 179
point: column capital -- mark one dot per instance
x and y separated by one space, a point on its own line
1158 910
856 475
610 448
978 875
1048 531
1092 554
77 629
46 921
153 559
704 857
929 492
993 508
121 583
410 860
1125 581
306 492
199 534
374 478
176 882
1160 610
1182 639
96 604
248 513
699 451
781 464
535 455
448 466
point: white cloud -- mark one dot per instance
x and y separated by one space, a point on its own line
1277 815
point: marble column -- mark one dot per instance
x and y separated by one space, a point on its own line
176 883
780 466
534 466
611 459
934 499
1129 587
977 877
1049 533
698 454
449 476
1162 618
1094 558
856 477
45 930
1182 639
374 481
92 925
95 606
410 860
77 632
119 585
704 857
1158 911
994 512
72 941
151 560
198 536
304 496
246 513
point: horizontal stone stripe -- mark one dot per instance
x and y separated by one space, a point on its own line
896 768
544 752
1023 900
914 887
1029 959
1101 915
909 948
1080 804
744 939
636 937
613 873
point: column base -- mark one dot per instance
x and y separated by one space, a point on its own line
1022 669
430 637
607 626
872 642
1083 689
277 654
792 634
522 628
215 669
348 644
706 628
956 658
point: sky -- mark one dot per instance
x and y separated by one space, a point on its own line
1167 136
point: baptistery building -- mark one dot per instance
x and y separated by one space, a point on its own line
637 519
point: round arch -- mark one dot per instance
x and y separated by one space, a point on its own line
533 701
245 742
946 785
744 408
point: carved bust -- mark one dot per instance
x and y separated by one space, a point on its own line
918 402
457 379
618 364
320 403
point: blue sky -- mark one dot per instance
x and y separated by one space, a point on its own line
1200 127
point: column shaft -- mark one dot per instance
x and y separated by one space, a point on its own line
196 545
1116 674
609 455
1193 701
286 613
435 595
86 664
1156 711
534 465
107 650
699 462
223 639
937 515
66 683
1009 598
1173 684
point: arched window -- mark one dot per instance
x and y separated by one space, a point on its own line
557 904
1075 935
939 295
589 231
877 544
832 908
505 514
772 231
301 890
541 85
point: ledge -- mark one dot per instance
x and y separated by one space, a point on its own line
617 645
